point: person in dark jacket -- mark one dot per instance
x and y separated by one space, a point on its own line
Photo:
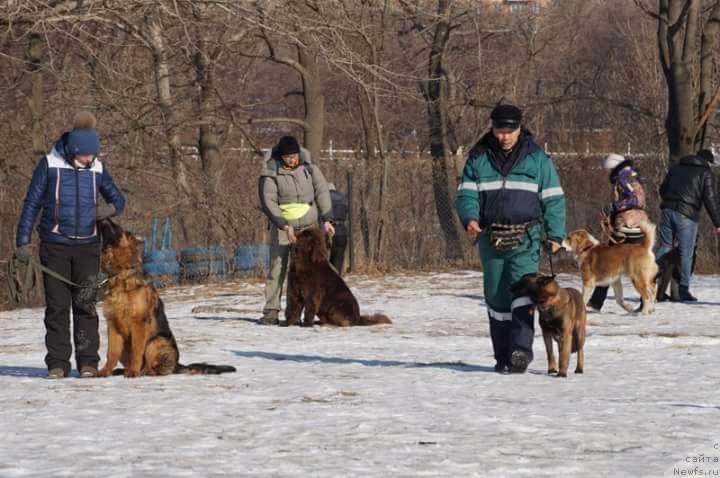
65 187
687 187
339 239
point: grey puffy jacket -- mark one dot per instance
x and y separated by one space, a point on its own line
304 184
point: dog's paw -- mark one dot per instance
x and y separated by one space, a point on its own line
578 370
132 373
552 371
104 372
562 374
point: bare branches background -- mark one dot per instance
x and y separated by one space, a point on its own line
187 93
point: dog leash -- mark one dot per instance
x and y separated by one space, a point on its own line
99 282
548 248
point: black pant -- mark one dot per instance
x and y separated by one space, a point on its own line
600 293
337 252
78 264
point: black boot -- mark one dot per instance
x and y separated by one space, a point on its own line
685 295
519 361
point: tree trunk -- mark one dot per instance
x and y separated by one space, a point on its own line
172 138
208 146
34 58
314 102
368 189
438 128
708 71
677 48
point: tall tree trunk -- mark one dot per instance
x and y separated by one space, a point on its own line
208 146
368 218
438 128
172 138
379 233
708 71
314 102
677 47
33 55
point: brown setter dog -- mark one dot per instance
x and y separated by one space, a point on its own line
315 286
139 334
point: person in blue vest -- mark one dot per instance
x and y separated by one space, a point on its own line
509 191
64 188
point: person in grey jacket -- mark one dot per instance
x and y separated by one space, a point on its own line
294 196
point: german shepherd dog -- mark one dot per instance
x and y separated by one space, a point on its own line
563 318
139 334
313 285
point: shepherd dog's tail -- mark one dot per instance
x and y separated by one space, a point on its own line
374 319
203 369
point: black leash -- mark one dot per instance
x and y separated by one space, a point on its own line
548 249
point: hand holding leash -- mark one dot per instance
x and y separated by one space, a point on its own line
474 230
290 231
24 253
552 246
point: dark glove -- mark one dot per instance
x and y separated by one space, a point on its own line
104 211
24 253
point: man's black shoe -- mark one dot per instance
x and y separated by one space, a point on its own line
519 361
685 295
503 369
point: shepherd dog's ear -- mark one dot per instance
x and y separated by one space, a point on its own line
523 286
109 234
545 280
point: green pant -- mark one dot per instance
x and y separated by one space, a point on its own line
275 279
511 319
501 269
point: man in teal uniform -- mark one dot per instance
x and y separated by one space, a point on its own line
509 191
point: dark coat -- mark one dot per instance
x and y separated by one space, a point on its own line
340 212
688 185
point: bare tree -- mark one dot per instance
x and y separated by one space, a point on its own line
687 33
436 90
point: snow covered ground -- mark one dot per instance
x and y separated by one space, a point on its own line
418 398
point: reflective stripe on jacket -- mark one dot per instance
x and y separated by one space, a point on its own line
68 199
529 190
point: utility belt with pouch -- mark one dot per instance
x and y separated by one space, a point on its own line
508 237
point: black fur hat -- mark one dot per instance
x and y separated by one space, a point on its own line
287 145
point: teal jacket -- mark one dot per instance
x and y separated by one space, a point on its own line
520 188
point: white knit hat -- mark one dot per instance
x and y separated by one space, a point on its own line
612 161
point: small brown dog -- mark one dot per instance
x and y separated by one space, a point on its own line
562 317
139 334
314 285
606 264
